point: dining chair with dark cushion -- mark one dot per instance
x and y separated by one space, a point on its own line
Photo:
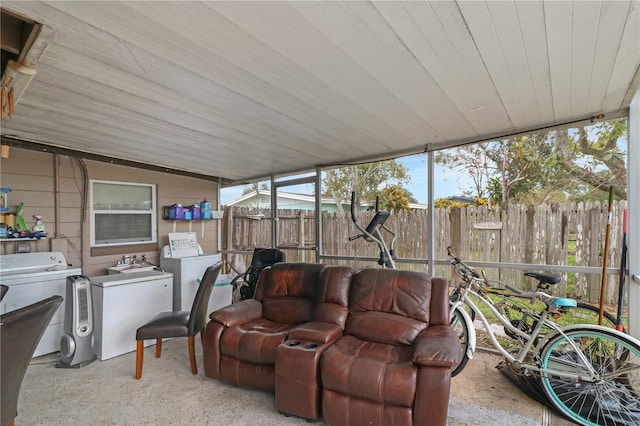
21 331
179 323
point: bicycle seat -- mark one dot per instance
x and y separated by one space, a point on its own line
563 302
544 278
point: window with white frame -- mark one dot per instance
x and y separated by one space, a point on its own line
122 213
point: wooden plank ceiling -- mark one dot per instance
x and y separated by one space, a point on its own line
245 89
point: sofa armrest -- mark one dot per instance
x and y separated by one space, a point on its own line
437 346
317 332
238 313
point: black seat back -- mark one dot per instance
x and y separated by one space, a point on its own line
263 257
199 312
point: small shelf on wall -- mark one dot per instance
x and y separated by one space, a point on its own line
190 221
215 214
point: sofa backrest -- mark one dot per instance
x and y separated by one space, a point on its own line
389 306
288 291
332 299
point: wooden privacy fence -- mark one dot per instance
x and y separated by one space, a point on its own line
570 234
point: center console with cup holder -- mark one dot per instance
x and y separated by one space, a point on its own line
298 390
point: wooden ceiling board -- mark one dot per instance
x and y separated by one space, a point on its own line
470 70
439 65
488 40
396 67
169 97
558 19
624 77
510 37
280 70
321 59
530 17
611 26
204 65
126 127
584 32
197 85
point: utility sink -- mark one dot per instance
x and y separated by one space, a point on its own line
127 269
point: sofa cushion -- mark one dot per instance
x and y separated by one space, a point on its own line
383 327
389 306
371 371
287 310
255 341
332 298
288 291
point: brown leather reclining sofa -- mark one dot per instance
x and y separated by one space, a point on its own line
371 347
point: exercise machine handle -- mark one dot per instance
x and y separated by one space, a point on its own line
353 207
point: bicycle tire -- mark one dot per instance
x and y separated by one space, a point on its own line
460 327
586 313
613 399
582 314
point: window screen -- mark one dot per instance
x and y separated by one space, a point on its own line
122 213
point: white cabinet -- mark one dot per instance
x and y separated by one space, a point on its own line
123 303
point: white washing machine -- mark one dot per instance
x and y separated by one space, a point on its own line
187 272
32 277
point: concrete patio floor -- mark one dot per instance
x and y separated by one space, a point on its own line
106 393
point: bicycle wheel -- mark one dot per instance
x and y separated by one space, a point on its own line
614 397
460 327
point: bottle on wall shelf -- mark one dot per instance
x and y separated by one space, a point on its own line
195 212
205 209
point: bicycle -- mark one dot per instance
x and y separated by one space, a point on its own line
590 373
510 303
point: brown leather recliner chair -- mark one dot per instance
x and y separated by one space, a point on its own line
241 339
392 366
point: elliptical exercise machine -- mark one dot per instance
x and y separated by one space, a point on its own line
372 233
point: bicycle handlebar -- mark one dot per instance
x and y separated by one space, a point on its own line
466 269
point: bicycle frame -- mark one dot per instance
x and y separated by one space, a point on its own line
519 359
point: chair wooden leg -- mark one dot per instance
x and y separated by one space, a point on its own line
139 358
158 348
192 354
202 336
12 422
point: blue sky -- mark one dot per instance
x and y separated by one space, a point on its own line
447 182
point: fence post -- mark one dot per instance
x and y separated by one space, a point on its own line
301 235
529 241
228 238
456 231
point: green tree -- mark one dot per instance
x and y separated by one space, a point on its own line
365 180
593 157
473 161
579 163
394 198
255 187
527 168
